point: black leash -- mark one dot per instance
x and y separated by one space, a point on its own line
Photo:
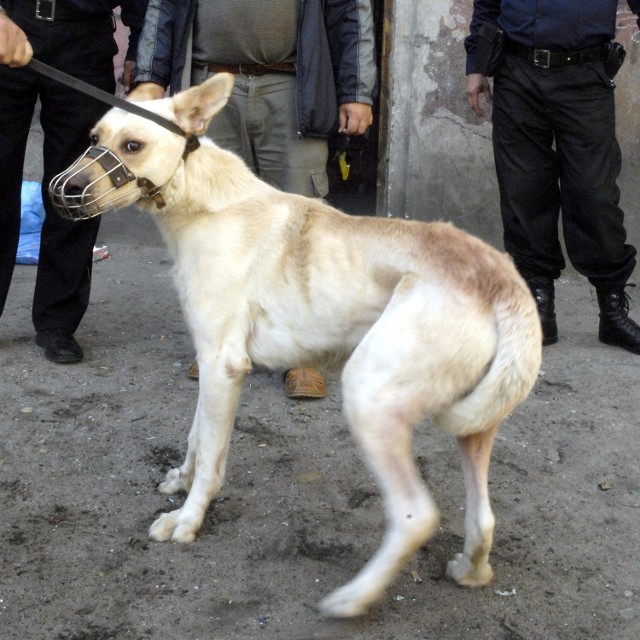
104 96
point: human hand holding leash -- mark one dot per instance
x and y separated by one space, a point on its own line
15 48
477 84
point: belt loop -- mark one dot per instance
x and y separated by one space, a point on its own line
46 10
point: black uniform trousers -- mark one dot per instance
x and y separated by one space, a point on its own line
84 49
556 151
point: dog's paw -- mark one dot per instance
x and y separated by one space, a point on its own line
466 574
346 602
174 482
169 527
162 529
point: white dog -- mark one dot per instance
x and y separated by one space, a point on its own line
431 321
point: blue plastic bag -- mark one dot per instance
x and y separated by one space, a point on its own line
31 219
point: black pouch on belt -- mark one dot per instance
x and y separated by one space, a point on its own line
615 58
490 49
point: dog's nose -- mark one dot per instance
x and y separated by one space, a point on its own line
75 185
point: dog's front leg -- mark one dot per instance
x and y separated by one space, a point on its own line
204 468
471 568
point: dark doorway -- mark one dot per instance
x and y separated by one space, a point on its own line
357 193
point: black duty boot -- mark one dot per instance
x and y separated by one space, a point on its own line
543 291
616 327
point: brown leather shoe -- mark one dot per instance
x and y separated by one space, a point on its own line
304 383
194 372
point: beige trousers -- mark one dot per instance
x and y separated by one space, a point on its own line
259 124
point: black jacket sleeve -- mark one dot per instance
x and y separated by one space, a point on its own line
132 14
483 11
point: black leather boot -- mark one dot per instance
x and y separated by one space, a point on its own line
59 346
616 327
543 291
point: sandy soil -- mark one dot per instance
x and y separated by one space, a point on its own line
84 446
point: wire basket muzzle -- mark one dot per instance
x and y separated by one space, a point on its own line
79 192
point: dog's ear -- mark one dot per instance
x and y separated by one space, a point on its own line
195 107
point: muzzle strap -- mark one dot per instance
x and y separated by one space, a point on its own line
112 165
149 190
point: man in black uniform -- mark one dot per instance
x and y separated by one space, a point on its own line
555 149
74 36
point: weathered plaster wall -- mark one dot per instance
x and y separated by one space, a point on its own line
628 87
439 161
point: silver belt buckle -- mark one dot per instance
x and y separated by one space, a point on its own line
46 10
542 58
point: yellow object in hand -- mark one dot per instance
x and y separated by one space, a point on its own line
344 165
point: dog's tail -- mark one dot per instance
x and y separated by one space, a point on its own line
511 374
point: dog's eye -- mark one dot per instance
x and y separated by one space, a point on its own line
133 146
93 139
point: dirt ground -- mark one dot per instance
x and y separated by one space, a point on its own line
84 446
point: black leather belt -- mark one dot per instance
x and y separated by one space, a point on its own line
250 69
48 10
545 59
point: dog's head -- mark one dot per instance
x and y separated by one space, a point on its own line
131 157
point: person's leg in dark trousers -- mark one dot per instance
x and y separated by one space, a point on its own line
66 251
528 175
594 230
18 96
590 162
527 171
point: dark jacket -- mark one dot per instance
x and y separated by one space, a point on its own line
335 60
557 25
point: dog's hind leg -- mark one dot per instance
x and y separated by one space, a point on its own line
424 351
385 437
471 568
220 386
385 396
